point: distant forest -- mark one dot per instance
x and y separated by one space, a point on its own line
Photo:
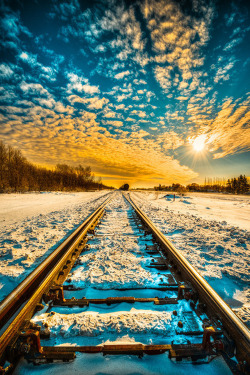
234 185
19 175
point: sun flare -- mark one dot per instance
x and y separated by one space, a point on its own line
199 143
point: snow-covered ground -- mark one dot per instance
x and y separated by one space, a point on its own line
32 225
15 208
213 233
115 261
234 209
116 256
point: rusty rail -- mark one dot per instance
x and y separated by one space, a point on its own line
233 325
19 305
110 348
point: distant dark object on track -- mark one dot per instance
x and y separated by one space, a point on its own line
124 187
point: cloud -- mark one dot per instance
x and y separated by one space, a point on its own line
95 29
91 103
67 9
181 98
29 58
117 124
7 94
120 98
83 140
110 114
49 103
222 72
80 84
12 27
139 113
90 89
34 89
177 38
170 140
163 76
45 71
5 71
120 106
122 74
229 133
232 44
139 82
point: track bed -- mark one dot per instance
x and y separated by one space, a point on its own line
123 296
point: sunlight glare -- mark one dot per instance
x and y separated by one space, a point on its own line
199 143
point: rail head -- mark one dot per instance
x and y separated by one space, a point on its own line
233 325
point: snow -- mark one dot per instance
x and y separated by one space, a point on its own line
116 258
120 322
18 207
93 364
94 323
212 232
33 225
115 261
235 209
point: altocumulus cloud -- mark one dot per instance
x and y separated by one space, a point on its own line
122 85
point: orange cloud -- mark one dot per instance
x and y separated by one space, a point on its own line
51 137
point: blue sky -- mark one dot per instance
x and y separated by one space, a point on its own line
128 87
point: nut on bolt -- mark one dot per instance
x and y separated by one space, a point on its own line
180 324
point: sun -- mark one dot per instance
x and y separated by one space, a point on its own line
199 143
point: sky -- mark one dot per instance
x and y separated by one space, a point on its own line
145 92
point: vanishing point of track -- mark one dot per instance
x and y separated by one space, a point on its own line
223 332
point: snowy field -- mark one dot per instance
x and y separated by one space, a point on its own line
16 208
117 263
32 225
213 232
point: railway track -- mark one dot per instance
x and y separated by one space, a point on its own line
117 286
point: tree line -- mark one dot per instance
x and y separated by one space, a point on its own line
17 174
234 185
238 185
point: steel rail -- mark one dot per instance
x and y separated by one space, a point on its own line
110 348
233 325
30 291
